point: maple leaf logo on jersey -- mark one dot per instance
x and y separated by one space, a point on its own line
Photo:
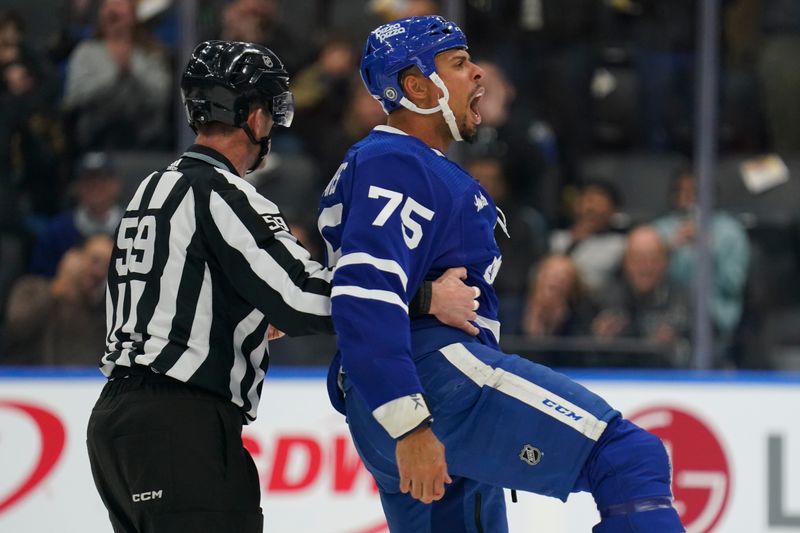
480 201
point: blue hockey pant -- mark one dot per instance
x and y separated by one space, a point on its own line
507 422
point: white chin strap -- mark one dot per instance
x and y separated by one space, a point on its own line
447 113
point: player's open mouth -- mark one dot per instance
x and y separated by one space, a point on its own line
473 104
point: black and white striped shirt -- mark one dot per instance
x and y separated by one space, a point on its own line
201 265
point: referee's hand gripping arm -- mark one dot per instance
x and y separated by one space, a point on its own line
422 466
453 302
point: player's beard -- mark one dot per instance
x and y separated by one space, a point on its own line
468 133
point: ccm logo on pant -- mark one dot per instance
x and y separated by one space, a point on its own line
561 409
147 496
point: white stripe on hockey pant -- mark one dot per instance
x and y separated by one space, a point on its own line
385 265
523 390
369 294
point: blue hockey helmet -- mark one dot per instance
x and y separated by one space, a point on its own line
393 47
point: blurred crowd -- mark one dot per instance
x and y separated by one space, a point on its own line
591 258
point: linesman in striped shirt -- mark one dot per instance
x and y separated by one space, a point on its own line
204 271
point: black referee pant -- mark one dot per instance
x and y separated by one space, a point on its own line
167 457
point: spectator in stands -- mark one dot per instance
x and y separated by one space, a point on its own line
509 131
521 234
664 37
258 21
11 25
361 114
15 49
389 10
13 249
31 143
778 72
76 22
97 189
327 124
331 72
558 302
60 321
32 139
555 41
644 304
590 241
321 93
118 85
730 251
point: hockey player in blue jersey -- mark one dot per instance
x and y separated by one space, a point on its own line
398 212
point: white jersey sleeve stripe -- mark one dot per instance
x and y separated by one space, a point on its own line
237 236
330 217
492 325
244 328
256 357
385 265
523 390
401 415
262 205
312 268
369 294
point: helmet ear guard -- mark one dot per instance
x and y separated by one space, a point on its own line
198 112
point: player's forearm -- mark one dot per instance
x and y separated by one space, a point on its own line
392 391
374 339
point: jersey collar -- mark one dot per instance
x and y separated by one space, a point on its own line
390 129
210 156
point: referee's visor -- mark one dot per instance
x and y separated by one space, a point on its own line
282 109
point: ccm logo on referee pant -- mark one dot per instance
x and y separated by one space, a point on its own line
561 409
147 496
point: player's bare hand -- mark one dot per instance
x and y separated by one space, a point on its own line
274 333
422 466
453 302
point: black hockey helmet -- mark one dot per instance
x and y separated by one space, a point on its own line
223 78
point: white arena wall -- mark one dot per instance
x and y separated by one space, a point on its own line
734 439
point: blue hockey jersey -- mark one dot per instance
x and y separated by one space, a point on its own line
396 213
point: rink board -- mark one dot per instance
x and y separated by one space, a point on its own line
734 440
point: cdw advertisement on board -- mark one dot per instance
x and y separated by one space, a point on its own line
735 448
